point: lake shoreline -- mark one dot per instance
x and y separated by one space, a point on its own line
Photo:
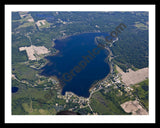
78 33
90 35
110 67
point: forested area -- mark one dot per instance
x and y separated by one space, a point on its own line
131 50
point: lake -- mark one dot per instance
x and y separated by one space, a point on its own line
73 51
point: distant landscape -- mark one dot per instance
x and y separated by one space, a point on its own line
46 45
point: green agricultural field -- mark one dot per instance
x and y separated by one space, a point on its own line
29 100
106 104
28 108
24 72
26 25
141 91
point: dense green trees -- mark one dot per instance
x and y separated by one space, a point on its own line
15 16
141 91
131 50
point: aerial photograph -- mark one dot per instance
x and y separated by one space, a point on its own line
80 63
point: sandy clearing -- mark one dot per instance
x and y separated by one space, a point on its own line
119 69
134 107
41 21
133 77
31 20
34 50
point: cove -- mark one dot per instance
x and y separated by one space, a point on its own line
72 49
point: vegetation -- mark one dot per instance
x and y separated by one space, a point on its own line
141 91
84 111
30 100
141 26
15 16
108 103
24 72
131 50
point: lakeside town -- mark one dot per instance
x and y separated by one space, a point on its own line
114 80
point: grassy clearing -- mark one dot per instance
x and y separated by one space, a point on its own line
141 91
46 25
141 26
28 108
33 102
106 104
26 25
24 72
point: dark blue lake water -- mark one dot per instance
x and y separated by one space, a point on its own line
73 50
14 89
